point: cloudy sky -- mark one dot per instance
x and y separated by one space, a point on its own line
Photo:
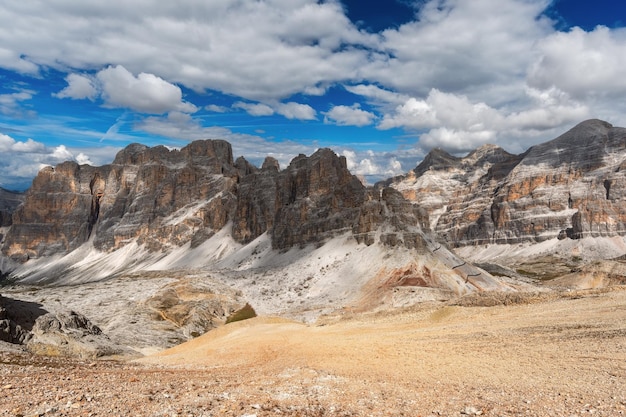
379 81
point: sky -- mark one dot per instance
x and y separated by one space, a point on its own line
380 82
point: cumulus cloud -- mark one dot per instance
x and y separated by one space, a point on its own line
453 46
254 109
373 166
461 73
118 87
457 124
582 64
255 50
23 159
144 93
291 110
297 111
78 87
349 116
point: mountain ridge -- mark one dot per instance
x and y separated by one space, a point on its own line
569 187
309 239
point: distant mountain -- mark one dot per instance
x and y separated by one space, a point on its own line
189 236
312 229
569 188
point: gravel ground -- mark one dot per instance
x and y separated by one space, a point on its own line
551 357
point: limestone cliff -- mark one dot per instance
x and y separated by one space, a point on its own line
155 195
9 201
571 187
164 198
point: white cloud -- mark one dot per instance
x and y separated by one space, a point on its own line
144 93
12 60
78 87
10 104
118 87
61 153
83 159
457 124
254 109
582 64
377 94
216 109
349 116
262 50
461 73
8 145
476 47
23 159
375 166
293 110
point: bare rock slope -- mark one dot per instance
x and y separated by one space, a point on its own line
160 200
569 188
299 242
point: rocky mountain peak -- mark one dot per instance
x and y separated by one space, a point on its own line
583 147
163 198
487 154
437 159
270 164
570 187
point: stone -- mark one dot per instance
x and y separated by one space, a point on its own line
68 333
569 188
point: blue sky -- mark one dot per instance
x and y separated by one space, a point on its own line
380 82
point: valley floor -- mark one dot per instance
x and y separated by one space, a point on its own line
544 356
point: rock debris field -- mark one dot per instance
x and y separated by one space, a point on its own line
543 355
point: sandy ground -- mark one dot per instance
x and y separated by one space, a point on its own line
558 356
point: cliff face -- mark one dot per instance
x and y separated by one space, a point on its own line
9 202
155 195
165 198
571 187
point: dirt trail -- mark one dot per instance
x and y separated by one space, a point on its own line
564 356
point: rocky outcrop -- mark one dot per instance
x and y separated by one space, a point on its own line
17 319
317 197
164 198
442 179
158 196
571 187
256 201
194 305
70 334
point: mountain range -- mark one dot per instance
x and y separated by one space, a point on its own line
310 239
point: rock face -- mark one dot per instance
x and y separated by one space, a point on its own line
163 199
9 201
70 334
155 195
571 187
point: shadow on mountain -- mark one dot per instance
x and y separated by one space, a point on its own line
20 313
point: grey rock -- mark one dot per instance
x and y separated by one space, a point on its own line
9 201
571 187
70 334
